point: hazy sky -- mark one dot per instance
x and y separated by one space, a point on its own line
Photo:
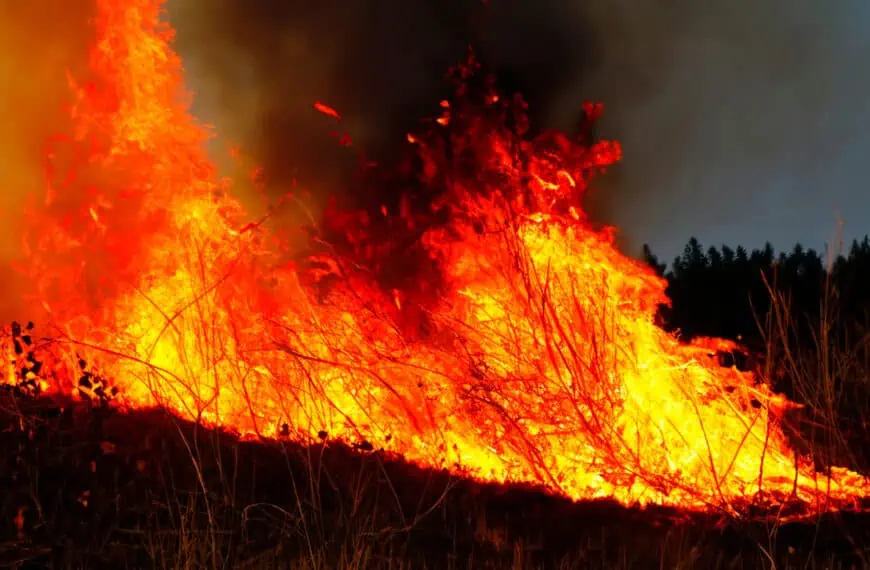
743 121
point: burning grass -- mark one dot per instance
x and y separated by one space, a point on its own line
522 348
534 359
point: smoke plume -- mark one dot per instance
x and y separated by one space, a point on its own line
732 114
258 66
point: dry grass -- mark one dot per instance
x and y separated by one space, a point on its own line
204 503
198 498
830 378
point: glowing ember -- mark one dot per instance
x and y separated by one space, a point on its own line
537 360
327 110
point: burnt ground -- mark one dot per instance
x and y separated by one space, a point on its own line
89 486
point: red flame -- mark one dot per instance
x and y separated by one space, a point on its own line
531 354
327 110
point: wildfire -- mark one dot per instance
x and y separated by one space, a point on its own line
534 359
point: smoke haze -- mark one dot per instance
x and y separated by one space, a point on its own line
741 121
257 67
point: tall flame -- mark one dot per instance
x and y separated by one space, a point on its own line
541 361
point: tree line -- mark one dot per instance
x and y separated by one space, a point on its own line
730 292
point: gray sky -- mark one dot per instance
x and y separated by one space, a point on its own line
743 121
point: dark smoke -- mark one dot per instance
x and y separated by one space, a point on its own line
716 103
258 66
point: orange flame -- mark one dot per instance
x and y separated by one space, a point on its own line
541 362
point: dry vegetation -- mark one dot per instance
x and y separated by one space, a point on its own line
88 486
831 377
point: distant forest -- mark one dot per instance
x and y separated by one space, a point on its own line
730 293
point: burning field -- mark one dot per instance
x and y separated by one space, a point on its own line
494 333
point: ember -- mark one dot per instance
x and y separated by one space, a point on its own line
540 361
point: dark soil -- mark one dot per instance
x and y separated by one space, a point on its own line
86 485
